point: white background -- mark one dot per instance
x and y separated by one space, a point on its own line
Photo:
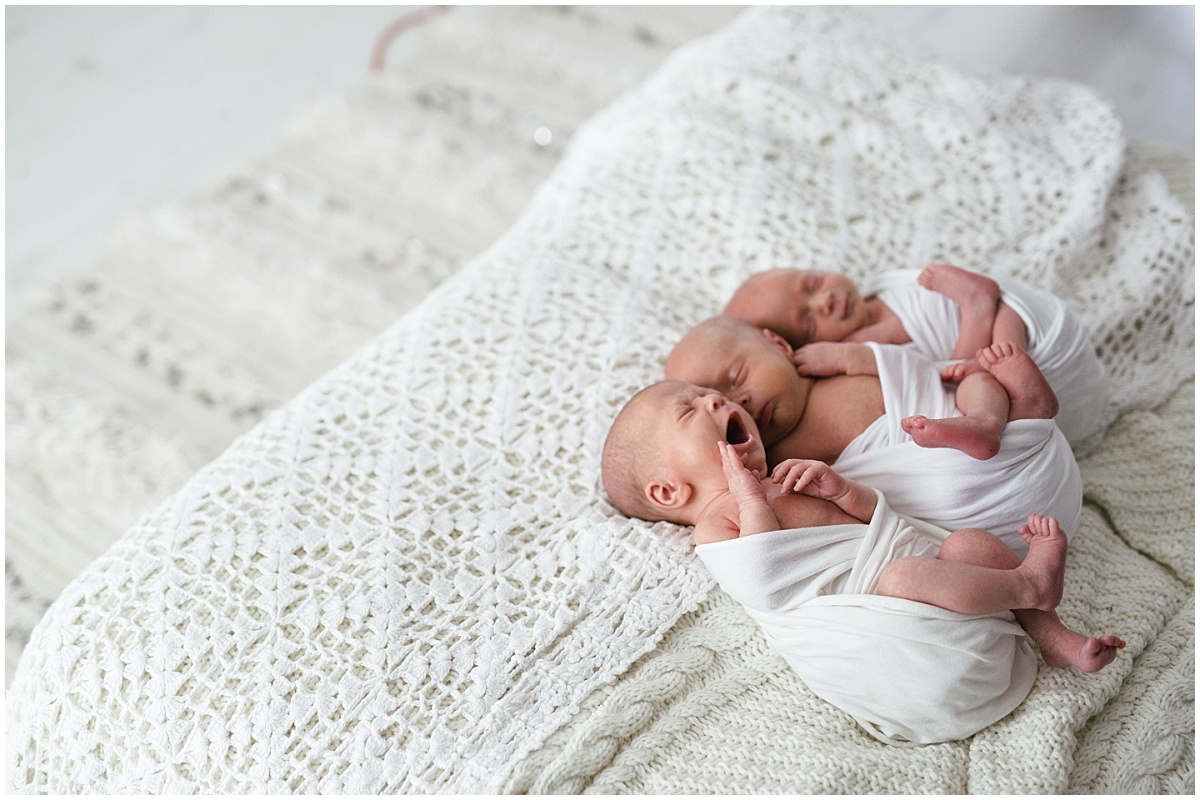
108 107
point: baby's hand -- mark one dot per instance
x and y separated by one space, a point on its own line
814 478
744 485
823 359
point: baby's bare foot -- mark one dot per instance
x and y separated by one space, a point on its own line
1046 563
1085 653
978 438
959 370
970 290
1030 396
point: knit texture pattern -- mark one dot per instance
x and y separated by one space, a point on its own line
206 312
407 577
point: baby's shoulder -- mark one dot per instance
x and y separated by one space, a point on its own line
720 521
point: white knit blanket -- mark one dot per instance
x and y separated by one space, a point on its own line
407 578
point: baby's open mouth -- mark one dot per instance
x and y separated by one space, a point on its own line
735 432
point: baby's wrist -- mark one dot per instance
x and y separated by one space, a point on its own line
860 360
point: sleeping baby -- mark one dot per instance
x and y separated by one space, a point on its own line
913 639
856 422
946 313
686 454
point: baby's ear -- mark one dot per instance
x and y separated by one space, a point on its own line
668 493
777 340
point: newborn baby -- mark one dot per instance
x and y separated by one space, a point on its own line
804 551
858 423
944 312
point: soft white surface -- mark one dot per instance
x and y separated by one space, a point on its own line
110 106
206 311
107 107
343 554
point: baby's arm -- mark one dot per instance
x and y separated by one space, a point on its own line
886 331
756 514
818 479
822 359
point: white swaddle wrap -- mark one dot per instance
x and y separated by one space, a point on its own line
1057 343
1034 472
906 671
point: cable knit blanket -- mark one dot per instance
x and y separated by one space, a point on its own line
407 578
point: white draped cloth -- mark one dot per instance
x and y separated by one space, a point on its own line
1034 472
1057 343
906 671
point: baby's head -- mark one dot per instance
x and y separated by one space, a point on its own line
801 305
752 366
661 460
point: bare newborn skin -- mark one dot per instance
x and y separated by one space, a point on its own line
690 455
1030 396
1061 646
977 434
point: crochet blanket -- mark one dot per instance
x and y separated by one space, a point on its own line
407 578
203 313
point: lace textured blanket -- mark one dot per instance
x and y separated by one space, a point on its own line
407 578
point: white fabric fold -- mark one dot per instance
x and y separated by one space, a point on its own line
1034 472
909 673
1057 343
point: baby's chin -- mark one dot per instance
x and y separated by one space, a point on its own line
772 434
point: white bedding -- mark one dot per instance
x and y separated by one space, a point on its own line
407 579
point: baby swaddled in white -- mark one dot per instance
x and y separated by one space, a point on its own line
1057 342
919 640
1035 469
886 661
907 671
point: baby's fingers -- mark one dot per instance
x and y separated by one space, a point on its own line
729 460
811 474
798 476
782 469
791 480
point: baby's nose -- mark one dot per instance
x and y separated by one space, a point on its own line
822 302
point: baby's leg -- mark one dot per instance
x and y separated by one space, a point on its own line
1030 396
1009 327
1061 646
977 297
976 573
964 578
984 404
